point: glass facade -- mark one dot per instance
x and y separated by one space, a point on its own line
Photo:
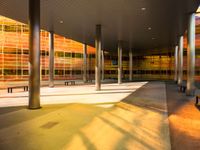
68 63
14 53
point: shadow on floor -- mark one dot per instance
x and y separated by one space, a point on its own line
150 96
184 119
13 115
4 110
175 99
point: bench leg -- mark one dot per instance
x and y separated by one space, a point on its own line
197 100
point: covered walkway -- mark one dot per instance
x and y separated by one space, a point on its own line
104 116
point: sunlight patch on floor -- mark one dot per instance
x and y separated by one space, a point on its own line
86 94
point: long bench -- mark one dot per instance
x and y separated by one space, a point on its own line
70 81
89 80
10 89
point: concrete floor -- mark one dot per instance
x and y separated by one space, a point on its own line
128 116
184 119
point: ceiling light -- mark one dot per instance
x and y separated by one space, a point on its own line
149 28
61 21
153 38
143 8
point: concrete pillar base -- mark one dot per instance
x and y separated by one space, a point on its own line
98 89
34 108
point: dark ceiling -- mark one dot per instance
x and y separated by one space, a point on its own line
120 19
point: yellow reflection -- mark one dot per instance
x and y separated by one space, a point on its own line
123 127
198 12
76 144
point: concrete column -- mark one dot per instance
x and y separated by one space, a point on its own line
84 63
40 73
130 65
176 64
102 65
51 59
180 61
119 62
191 56
98 58
34 58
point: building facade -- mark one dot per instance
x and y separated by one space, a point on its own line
68 63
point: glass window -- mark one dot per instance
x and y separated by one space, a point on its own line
25 72
67 71
9 72
25 51
43 72
59 54
73 55
67 54
19 71
78 55
59 72
42 53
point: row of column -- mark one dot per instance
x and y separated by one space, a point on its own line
34 58
190 87
98 63
85 73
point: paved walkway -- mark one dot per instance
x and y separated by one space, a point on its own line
138 120
184 119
